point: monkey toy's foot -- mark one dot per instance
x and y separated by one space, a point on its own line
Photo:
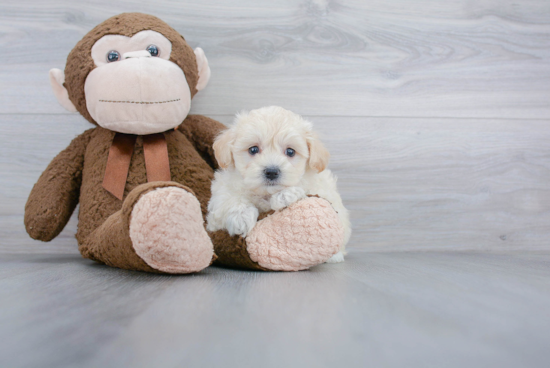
300 236
159 229
167 231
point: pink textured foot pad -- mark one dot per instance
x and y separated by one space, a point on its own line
298 237
167 231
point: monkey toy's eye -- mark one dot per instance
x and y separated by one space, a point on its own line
113 55
290 152
254 150
153 50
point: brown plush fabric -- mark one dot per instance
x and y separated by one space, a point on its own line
96 204
80 63
201 132
76 175
56 193
231 250
110 243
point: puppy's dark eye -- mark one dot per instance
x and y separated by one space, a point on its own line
153 50
113 55
290 152
253 150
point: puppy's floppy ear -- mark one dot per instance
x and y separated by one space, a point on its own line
318 154
222 148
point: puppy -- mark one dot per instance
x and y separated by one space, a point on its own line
270 158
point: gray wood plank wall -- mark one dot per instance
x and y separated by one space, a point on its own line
436 113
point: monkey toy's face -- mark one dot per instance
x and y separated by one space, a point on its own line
133 84
134 87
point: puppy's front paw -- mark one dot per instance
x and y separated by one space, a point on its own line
286 197
241 220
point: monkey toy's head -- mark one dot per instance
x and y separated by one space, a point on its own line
132 74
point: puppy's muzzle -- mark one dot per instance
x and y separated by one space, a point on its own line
272 173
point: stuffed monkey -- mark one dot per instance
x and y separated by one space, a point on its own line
142 176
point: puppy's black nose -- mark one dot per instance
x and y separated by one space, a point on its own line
272 173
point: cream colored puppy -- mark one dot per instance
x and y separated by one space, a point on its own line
270 158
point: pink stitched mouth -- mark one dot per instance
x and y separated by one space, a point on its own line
141 102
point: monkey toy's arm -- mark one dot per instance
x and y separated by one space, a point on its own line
55 195
201 132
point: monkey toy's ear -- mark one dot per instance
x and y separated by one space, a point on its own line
57 78
204 69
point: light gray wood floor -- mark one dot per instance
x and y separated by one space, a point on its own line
437 116
403 309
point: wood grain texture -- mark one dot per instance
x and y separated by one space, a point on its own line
436 309
464 58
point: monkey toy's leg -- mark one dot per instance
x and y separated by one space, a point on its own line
160 228
295 238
